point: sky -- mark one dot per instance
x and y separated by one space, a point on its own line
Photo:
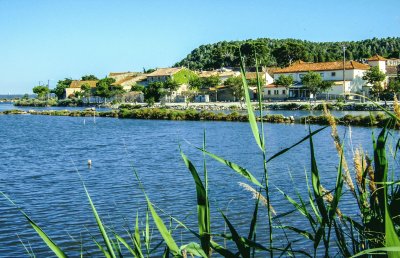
45 41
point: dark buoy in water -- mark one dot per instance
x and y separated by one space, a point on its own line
89 163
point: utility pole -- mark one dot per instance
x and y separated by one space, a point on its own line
344 71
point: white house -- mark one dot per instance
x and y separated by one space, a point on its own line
275 92
350 73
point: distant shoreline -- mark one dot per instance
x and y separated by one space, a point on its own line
378 120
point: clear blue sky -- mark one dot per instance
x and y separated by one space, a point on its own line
54 39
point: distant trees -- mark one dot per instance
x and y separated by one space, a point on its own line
282 52
289 52
313 82
41 91
89 77
60 87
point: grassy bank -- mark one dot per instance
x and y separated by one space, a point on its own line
48 103
379 120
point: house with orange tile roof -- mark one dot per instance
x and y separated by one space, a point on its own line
76 85
350 73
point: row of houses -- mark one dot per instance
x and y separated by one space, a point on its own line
345 76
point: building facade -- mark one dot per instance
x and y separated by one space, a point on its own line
346 78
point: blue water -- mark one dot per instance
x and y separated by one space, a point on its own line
9 106
41 156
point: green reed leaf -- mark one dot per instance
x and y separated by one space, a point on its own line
99 223
297 143
243 249
202 205
252 118
194 249
240 170
166 235
57 250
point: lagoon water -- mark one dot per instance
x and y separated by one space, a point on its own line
41 156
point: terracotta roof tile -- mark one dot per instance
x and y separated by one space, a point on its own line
164 71
376 58
324 66
132 79
78 84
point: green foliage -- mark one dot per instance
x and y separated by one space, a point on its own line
41 91
86 90
211 81
184 76
236 85
313 82
137 87
105 88
284 80
195 83
374 76
154 91
289 52
89 77
226 54
60 88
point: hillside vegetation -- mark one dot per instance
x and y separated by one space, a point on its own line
281 52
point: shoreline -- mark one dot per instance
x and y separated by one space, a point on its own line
378 120
218 106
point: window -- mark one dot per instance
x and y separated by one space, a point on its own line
322 75
269 92
333 74
283 92
276 92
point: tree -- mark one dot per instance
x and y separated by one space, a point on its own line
154 91
86 90
211 81
236 85
89 77
289 52
41 91
253 82
375 77
170 85
313 82
104 88
392 89
137 87
60 88
284 80
195 83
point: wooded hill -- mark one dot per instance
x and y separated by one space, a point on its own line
281 52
